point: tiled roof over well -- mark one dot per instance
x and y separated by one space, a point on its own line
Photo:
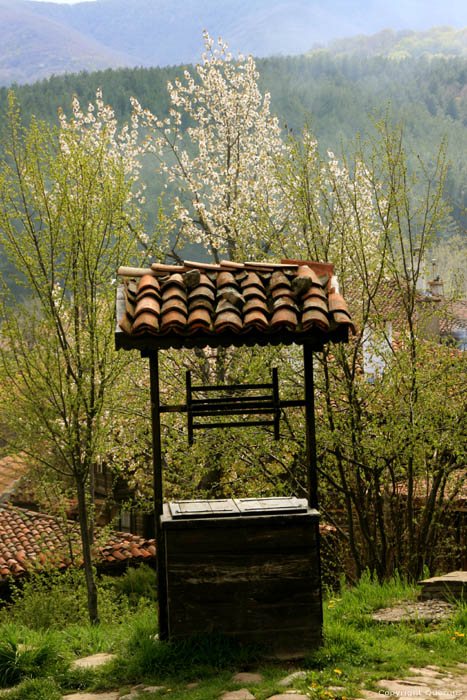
198 304
30 540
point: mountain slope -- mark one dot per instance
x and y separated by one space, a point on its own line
34 47
439 41
168 32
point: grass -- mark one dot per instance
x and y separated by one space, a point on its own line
356 652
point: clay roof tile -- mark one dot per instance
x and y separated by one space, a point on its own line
248 299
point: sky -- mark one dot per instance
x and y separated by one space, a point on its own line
65 2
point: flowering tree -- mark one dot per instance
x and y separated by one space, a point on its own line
68 217
218 148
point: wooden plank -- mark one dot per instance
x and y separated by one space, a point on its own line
195 542
272 505
295 566
203 507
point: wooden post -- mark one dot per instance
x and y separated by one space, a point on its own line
158 495
275 391
188 406
311 463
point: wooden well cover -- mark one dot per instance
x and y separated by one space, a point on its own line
204 508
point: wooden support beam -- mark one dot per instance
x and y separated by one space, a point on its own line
158 495
310 431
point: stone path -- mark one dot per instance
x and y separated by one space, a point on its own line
428 683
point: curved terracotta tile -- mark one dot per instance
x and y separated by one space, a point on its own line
225 279
230 265
201 266
251 292
314 291
161 268
126 323
315 302
315 317
282 291
252 280
173 291
305 271
284 318
284 303
337 303
223 305
173 320
174 304
341 318
278 279
176 279
147 303
255 318
255 303
228 320
146 322
205 281
148 282
202 291
199 319
201 303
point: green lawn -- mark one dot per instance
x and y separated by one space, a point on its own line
356 651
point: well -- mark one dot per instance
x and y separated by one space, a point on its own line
247 568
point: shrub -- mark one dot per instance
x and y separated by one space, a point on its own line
36 689
136 583
56 599
207 653
18 661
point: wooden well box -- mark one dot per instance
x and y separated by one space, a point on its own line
247 568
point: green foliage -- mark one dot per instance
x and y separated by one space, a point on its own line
136 583
18 661
340 92
36 689
200 655
58 599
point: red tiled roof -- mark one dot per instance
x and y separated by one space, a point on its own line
198 304
455 317
30 540
11 470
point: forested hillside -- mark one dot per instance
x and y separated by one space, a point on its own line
339 93
439 41
40 39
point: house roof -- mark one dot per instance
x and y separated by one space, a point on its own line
12 468
31 541
197 304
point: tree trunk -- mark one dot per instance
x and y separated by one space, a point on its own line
87 559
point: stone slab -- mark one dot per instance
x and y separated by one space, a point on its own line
448 586
93 660
287 696
112 695
296 676
242 694
426 610
405 688
248 678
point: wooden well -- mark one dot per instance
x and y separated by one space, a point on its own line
248 568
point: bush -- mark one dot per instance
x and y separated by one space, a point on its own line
56 599
201 654
136 583
36 689
18 661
